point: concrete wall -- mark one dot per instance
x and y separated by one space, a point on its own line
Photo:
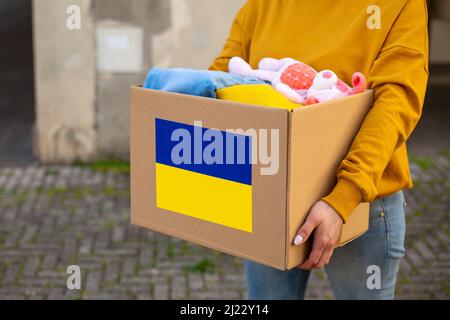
141 16
65 83
82 76
440 29
198 31
439 43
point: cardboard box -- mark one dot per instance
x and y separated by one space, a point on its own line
197 202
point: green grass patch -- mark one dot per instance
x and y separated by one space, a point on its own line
185 248
418 213
137 268
404 280
51 172
320 274
52 192
3 236
119 277
20 272
107 165
424 163
20 199
110 192
445 152
154 260
205 265
39 190
417 183
109 224
170 250
81 192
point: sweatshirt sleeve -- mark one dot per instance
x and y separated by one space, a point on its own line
399 78
234 45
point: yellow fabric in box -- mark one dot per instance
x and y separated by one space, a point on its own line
256 94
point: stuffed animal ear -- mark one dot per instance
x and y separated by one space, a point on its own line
359 83
239 66
263 75
270 64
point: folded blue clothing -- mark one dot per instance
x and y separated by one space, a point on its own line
194 82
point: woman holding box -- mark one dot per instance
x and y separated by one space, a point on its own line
388 42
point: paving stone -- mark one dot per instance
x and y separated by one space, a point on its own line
51 217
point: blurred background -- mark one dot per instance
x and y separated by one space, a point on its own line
64 150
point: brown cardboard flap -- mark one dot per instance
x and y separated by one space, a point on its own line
357 224
320 136
266 242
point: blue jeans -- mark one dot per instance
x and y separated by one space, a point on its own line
353 268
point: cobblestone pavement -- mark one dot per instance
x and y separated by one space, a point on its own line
52 217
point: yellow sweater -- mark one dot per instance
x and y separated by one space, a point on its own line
345 36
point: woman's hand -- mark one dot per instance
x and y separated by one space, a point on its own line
327 224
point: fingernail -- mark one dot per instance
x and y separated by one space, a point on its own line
298 240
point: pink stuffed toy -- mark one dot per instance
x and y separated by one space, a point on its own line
299 82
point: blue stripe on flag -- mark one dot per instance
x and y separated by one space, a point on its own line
233 166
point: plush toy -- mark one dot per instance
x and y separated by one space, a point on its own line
299 82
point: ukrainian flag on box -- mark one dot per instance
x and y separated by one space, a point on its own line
203 173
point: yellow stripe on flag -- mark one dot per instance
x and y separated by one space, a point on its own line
204 197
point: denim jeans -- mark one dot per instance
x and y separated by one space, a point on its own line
351 270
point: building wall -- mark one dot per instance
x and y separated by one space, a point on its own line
82 76
135 17
65 83
440 28
439 43
198 31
